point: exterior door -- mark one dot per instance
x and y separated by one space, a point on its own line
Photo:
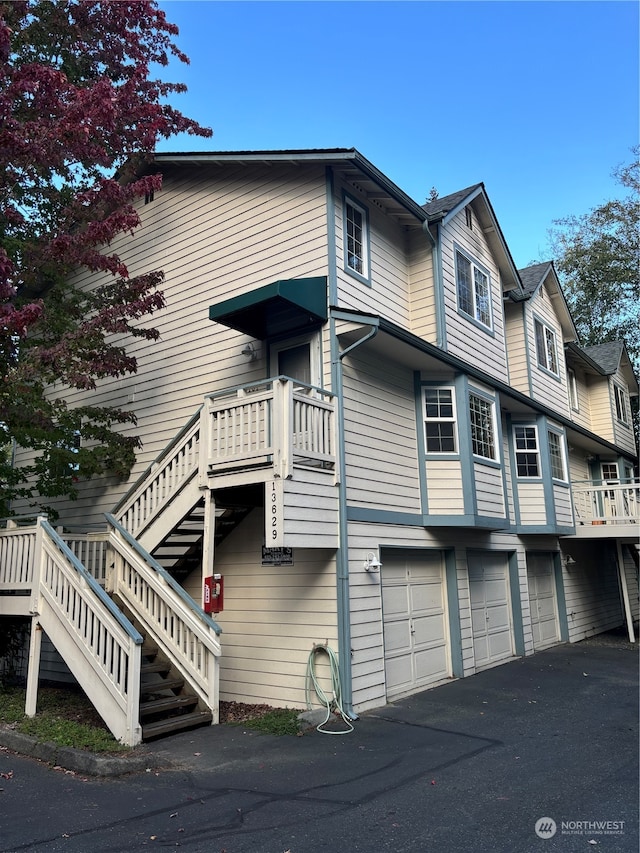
415 622
542 600
490 607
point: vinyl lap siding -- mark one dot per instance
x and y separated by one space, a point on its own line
545 386
380 436
272 617
591 591
563 505
516 347
422 288
464 338
216 234
601 408
623 430
531 501
444 487
489 491
388 291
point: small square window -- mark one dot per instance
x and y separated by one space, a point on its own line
527 454
439 420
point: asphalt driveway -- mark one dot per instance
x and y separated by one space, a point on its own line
547 743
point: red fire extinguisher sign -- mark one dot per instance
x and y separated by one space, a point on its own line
213 594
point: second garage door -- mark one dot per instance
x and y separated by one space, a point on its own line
415 621
542 600
490 607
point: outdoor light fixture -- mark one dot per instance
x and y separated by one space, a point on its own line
372 563
250 352
569 562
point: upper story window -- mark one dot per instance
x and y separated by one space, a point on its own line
546 348
573 389
356 235
474 291
527 451
439 420
483 430
556 455
620 398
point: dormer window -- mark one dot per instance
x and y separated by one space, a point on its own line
474 291
546 349
620 398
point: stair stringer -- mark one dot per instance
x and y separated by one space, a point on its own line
171 515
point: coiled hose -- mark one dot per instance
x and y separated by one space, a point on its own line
334 703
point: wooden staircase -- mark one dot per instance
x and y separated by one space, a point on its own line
167 704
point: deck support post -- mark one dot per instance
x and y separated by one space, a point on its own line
625 592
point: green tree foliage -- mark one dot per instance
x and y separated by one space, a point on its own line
598 258
80 115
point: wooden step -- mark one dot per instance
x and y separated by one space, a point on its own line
176 724
149 687
154 666
166 704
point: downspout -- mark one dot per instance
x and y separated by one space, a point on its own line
342 556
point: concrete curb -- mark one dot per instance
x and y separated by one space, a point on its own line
78 760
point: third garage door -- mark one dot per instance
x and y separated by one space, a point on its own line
415 623
490 607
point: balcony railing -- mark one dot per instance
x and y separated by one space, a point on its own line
277 423
597 503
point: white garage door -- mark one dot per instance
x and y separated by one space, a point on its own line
416 650
542 600
490 607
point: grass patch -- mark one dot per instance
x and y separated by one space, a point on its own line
279 721
64 717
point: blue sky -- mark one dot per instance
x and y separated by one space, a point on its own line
539 100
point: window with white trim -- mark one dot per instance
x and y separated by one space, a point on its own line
474 290
525 439
620 398
546 347
356 234
556 455
439 420
573 389
483 430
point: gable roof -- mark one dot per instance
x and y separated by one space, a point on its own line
606 355
439 207
442 210
533 278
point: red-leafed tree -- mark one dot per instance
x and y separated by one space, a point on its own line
80 115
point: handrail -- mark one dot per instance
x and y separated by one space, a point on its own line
166 576
265 382
156 462
122 620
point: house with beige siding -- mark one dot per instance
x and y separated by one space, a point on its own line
368 442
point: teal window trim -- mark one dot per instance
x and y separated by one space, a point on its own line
362 239
522 454
495 432
440 419
562 446
473 285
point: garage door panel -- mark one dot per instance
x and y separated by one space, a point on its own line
415 622
426 597
542 600
490 607
395 602
431 665
428 629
